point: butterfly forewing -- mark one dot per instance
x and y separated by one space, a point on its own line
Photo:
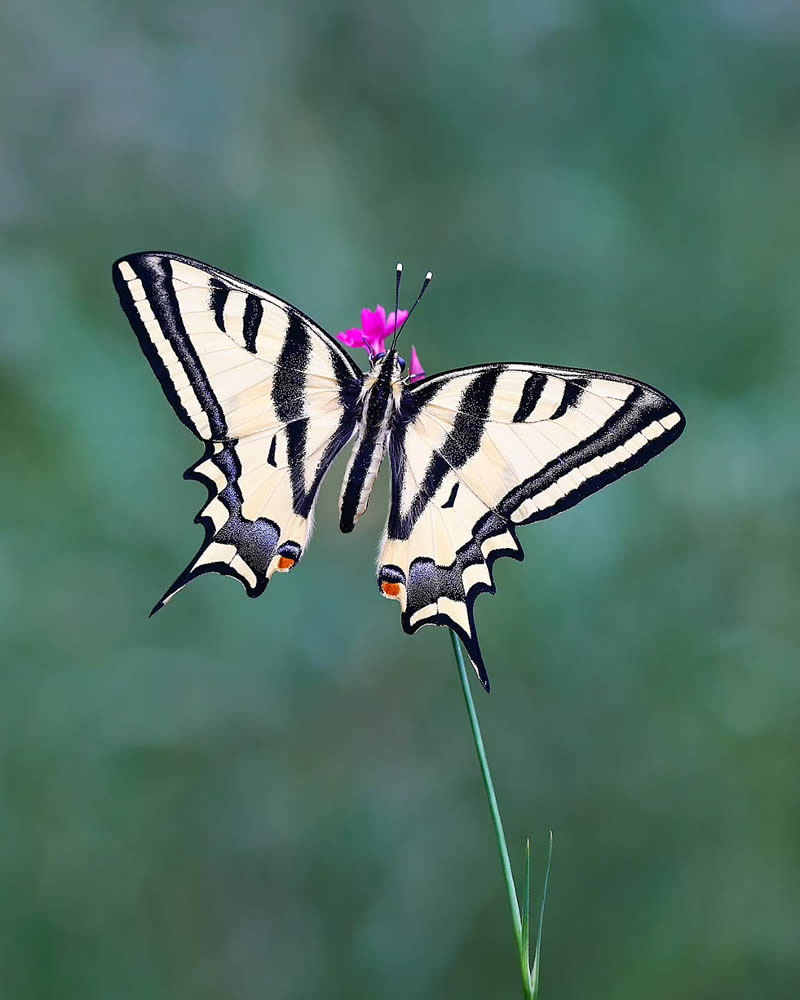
272 395
477 452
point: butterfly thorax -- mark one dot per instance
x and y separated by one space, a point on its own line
379 400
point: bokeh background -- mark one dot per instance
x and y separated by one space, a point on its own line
280 798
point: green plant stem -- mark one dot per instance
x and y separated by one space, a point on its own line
498 823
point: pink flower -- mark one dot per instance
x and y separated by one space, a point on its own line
416 371
376 329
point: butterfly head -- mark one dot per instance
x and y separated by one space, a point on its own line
396 364
386 374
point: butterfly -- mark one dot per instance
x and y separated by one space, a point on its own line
474 452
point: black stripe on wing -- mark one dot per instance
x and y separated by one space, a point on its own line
219 296
253 311
531 393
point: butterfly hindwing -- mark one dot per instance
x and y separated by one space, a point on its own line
478 451
272 395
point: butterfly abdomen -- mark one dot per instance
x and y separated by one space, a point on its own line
365 460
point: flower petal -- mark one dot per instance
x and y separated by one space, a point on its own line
352 338
402 316
416 371
373 323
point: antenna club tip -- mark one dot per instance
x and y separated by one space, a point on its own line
399 266
429 276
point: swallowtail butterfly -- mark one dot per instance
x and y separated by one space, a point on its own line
474 452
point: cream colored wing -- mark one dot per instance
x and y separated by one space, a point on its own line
272 395
479 451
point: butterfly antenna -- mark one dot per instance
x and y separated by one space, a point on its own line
397 299
425 283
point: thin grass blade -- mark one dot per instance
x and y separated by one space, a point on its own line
525 942
538 952
525 948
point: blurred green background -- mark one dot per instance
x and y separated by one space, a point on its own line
280 798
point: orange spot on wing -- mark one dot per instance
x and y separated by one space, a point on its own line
390 589
284 563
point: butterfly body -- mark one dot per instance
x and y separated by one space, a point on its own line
474 452
380 401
